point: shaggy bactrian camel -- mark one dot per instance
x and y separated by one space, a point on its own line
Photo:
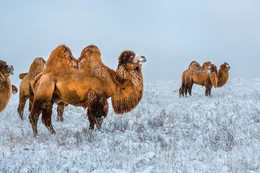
87 82
205 75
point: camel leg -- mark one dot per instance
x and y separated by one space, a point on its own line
43 102
181 91
91 120
34 116
22 102
186 89
30 102
60 110
97 110
208 90
46 116
190 88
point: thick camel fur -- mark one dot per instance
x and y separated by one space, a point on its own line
205 75
87 82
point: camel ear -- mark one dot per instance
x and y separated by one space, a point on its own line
122 59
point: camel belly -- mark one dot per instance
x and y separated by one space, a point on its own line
76 92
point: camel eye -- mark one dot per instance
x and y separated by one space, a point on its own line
131 58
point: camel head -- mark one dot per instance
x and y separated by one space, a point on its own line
5 69
224 67
206 65
212 71
131 61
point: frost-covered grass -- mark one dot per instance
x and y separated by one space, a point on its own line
163 134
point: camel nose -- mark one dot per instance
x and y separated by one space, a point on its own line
228 67
10 69
141 60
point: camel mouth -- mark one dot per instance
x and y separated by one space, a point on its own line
228 67
10 69
141 59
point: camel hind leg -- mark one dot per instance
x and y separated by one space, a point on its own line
181 90
208 90
42 102
46 116
60 110
190 88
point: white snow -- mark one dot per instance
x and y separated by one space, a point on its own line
164 133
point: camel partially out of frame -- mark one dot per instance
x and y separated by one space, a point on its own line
88 83
5 84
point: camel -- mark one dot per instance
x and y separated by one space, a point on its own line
223 74
5 84
26 92
88 83
205 75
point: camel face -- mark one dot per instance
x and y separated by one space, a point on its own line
225 67
141 59
131 61
5 69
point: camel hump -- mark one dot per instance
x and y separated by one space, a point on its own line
60 59
90 57
194 65
22 75
37 65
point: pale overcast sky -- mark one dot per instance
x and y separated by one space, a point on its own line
169 33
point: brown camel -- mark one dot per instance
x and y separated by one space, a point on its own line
26 92
87 82
223 74
205 75
5 84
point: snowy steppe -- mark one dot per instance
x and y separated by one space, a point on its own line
164 133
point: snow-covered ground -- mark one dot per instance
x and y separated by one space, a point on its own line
164 133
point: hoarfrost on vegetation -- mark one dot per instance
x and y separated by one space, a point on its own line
162 134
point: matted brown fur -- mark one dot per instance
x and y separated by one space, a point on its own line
5 84
198 74
70 80
223 74
35 69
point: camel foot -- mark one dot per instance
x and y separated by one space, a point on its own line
91 127
60 119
